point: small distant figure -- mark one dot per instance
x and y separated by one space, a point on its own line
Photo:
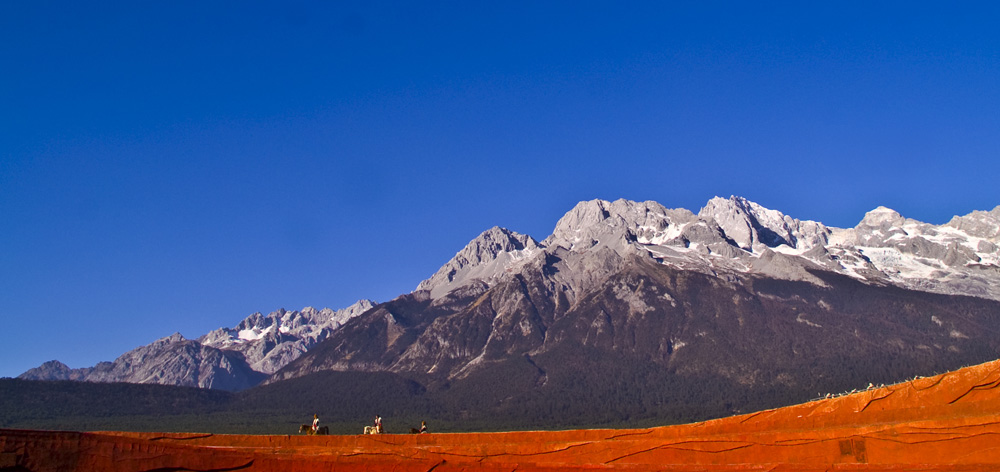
315 428
422 430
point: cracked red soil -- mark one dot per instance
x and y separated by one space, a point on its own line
949 422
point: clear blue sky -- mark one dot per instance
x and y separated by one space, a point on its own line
177 166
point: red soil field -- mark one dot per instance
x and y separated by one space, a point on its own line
950 422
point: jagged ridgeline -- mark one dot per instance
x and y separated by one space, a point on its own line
629 313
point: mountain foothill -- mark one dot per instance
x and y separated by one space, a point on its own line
629 313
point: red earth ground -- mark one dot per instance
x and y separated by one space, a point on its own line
950 422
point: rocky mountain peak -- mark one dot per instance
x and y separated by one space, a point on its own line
616 225
882 217
754 228
583 215
51 370
490 253
173 338
491 243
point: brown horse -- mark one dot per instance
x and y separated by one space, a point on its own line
308 429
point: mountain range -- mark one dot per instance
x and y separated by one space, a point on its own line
636 309
227 358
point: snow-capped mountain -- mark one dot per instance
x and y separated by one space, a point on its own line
961 257
737 293
631 301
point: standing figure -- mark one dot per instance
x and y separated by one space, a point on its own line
378 424
423 427
315 428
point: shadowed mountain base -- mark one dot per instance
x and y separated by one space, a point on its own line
947 422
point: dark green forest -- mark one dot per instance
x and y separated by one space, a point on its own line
601 392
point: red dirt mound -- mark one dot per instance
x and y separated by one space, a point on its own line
948 422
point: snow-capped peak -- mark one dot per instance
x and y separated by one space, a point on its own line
882 216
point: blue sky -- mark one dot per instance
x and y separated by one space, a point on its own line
177 166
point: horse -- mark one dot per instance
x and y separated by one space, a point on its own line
308 429
370 430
